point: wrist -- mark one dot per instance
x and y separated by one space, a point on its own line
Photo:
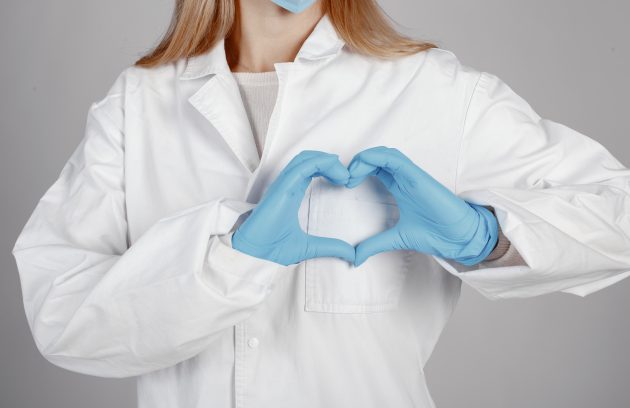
485 238
503 243
262 251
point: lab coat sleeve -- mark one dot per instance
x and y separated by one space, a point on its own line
561 198
98 306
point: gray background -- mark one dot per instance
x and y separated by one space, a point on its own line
570 59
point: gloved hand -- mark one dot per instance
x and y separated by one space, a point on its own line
272 230
432 219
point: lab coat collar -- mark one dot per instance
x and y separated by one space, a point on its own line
323 42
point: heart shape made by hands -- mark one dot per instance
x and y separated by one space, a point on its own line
432 219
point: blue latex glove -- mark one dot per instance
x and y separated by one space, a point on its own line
432 219
272 230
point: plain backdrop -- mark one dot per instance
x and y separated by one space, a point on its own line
569 59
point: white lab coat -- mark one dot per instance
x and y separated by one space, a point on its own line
126 265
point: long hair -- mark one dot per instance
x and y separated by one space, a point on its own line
196 25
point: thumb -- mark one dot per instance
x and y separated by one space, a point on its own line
317 247
385 241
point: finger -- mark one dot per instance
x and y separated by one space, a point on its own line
392 161
401 167
303 156
299 159
386 178
388 158
358 171
385 241
328 247
379 161
396 169
336 174
362 170
281 181
327 165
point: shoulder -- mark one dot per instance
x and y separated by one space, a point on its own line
480 89
440 72
127 87
133 78
445 65
439 68
484 84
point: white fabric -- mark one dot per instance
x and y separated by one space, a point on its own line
126 265
259 91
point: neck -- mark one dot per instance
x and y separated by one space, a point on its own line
265 34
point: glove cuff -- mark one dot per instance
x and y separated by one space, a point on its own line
487 232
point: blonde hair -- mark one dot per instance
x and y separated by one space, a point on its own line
196 25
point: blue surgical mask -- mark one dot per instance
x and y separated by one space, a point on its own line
294 6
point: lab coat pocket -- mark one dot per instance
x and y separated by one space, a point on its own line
334 285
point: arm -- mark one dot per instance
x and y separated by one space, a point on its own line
560 198
99 307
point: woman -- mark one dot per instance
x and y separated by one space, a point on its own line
277 206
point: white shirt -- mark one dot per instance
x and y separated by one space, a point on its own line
126 265
259 91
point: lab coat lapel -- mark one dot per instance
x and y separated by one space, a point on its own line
219 101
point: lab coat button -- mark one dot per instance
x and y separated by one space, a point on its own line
253 342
